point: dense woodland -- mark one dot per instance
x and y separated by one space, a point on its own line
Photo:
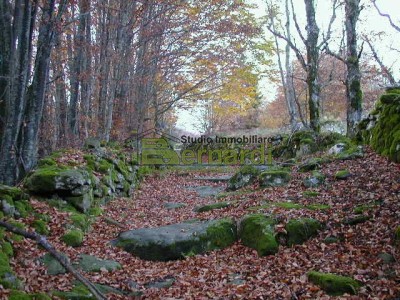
77 69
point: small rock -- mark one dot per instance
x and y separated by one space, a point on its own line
161 284
337 149
342 174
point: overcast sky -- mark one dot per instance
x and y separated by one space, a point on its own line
370 22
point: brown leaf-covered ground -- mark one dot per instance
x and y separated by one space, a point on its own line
211 276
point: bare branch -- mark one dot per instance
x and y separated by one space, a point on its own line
384 69
42 241
333 17
297 24
292 46
386 16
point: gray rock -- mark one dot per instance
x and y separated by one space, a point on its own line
337 149
52 265
206 191
215 179
161 284
178 240
7 208
274 178
315 180
92 143
90 263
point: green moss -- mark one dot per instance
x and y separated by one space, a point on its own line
73 238
17 237
104 166
41 227
95 211
7 277
80 221
389 98
342 174
43 178
257 232
78 292
7 249
334 285
23 207
18 295
310 194
397 236
143 171
47 161
360 209
212 206
8 199
300 230
221 234
249 170
61 205
385 135
10 192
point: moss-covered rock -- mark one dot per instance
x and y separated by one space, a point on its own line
300 230
342 174
247 175
257 232
334 285
7 277
274 178
73 238
212 206
382 127
53 266
178 240
315 180
90 263
311 164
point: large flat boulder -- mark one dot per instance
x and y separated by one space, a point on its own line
176 241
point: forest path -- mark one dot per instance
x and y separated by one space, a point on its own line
237 272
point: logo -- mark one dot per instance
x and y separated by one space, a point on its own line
250 150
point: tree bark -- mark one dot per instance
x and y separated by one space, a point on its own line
353 78
312 66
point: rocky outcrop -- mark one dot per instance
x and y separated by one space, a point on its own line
381 129
103 175
176 241
247 175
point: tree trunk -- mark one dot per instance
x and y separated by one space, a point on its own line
15 52
353 79
312 66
